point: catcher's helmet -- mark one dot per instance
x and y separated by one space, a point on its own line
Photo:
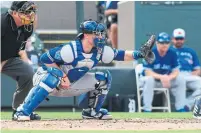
92 27
163 37
88 26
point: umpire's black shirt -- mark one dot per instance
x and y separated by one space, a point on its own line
12 37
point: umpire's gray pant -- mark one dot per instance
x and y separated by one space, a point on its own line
23 74
178 89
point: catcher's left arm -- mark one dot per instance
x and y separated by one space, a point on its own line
144 52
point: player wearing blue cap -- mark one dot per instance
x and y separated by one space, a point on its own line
163 72
190 67
65 72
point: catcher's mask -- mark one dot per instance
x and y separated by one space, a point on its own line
93 27
26 11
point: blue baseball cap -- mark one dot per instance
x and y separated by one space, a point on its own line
163 37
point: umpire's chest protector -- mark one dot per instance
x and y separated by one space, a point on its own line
107 55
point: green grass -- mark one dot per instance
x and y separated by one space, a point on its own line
94 131
63 114
6 115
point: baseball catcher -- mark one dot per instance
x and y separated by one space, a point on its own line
66 72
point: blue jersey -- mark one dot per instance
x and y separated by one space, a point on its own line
111 5
100 3
163 65
188 59
75 63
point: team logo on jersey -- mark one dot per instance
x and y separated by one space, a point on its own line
156 66
189 61
57 55
85 63
80 70
186 54
160 66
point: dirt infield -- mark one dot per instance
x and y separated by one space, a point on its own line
127 124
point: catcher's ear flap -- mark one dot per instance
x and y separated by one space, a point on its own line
150 57
82 26
80 36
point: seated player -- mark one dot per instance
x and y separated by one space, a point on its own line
190 65
163 72
65 72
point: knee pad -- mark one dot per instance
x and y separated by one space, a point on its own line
38 93
95 98
51 80
104 79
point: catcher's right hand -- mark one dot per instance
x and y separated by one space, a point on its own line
65 83
146 51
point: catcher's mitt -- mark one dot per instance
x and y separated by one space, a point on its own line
146 51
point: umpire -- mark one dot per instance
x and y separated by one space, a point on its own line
16 28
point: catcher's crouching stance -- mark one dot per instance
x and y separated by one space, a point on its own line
66 73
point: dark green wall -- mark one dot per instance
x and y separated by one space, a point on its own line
159 18
123 83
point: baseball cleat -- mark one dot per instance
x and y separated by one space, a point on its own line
35 116
19 116
182 110
197 108
90 114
